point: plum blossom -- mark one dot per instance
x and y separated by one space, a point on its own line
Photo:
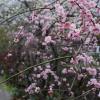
71 70
94 82
87 40
97 85
85 58
91 71
33 16
60 11
74 34
48 40
96 29
86 4
20 33
73 61
80 76
29 39
67 25
52 33
47 71
72 2
92 4
30 88
65 49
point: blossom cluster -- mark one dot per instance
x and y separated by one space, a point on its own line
58 31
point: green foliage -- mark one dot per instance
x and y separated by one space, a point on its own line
4 40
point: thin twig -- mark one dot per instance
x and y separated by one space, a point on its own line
59 58
84 94
20 13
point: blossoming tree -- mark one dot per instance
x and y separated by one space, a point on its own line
50 52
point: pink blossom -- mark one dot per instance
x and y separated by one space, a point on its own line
33 85
65 25
29 40
97 85
92 4
80 76
98 10
47 70
60 11
94 82
85 58
72 26
71 70
65 49
72 1
33 16
48 39
87 40
73 61
96 29
91 71
74 34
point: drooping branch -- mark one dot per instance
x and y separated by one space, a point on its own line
55 59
